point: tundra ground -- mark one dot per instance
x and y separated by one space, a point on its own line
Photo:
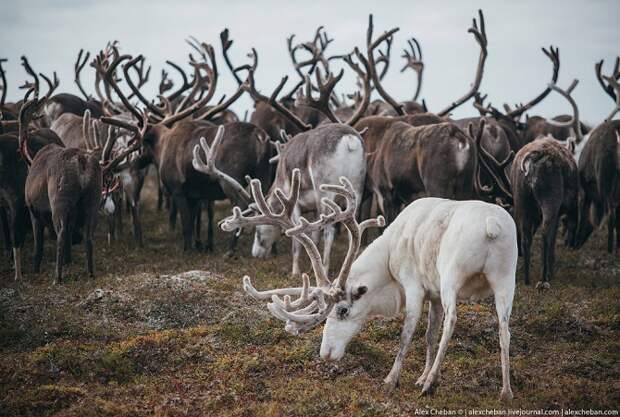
145 338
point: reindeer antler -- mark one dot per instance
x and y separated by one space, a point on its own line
4 84
325 91
370 47
574 120
314 303
613 82
138 131
495 168
414 61
479 32
27 112
77 69
364 75
615 74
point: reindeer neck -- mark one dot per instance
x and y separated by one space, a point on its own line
371 269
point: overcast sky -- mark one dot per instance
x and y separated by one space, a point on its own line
50 33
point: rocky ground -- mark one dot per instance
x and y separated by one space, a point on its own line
166 333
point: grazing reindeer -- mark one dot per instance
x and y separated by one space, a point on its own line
64 189
545 187
599 170
436 250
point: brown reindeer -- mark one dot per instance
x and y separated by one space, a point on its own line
599 170
436 160
545 187
172 134
64 187
13 173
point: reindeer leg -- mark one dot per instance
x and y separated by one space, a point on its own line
186 220
118 216
526 247
618 228
38 230
67 251
549 231
611 225
172 215
196 208
435 313
210 216
6 233
62 236
160 193
414 300
111 218
503 306
18 220
89 228
137 225
448 300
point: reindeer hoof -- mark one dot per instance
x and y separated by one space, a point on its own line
429 386
231 254
421 380
389 386
543 285
506 395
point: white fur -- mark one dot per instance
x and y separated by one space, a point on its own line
348 161
439 251
108 205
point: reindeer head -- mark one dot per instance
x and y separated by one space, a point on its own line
314 304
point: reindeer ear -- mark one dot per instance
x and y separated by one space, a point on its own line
357 293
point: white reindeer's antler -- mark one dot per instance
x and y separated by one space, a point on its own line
313 304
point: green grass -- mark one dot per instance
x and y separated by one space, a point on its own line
156 345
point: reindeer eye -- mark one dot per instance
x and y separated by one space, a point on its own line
342 312
359 291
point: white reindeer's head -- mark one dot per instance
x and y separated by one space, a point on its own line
343 306
344 322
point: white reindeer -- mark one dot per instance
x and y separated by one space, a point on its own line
323 155
437 250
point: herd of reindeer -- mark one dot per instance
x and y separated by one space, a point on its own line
461 198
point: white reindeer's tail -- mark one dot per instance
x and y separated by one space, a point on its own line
493 228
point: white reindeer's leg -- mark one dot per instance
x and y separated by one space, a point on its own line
435 313
414 300
503 306
328 241
448 299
